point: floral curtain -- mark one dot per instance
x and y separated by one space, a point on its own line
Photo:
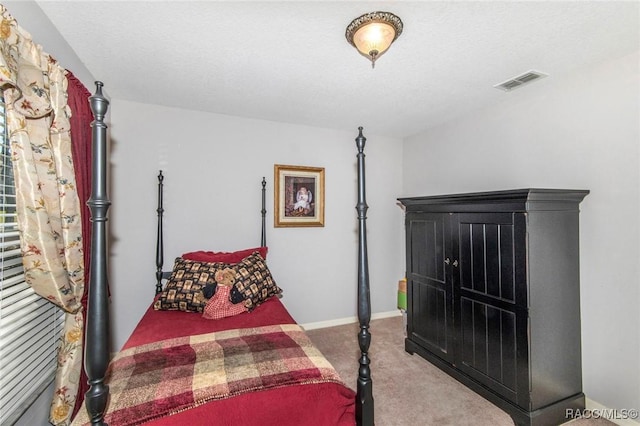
35 90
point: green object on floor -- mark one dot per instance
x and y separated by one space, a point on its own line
402 300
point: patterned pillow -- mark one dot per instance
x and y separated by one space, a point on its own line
254 281
183 291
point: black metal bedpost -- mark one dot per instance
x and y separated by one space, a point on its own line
364 397
159 237
263 238
97 323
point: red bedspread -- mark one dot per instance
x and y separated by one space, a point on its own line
160 325
315 404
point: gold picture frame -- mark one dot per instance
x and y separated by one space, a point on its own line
298 196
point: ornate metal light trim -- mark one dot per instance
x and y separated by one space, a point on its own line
385 27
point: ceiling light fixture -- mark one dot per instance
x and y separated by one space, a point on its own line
373 33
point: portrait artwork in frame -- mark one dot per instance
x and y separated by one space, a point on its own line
299 196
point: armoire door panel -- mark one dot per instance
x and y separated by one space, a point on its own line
488 350
486 250
427 247
430 320
430 326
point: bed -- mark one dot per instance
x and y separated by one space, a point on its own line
256 367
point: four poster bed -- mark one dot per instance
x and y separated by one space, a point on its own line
240 362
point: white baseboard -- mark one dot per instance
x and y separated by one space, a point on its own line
348 320
619 417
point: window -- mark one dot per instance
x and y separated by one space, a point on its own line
30 326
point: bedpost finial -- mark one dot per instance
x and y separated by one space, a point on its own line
98 103
160 176
264 182
360 140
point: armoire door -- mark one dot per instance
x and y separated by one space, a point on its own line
490 300
429 290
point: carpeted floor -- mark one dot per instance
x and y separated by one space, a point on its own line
407 389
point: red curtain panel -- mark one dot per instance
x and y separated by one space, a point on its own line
81 150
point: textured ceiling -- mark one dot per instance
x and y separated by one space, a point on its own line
289 61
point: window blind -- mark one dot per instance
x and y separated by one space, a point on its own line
30 326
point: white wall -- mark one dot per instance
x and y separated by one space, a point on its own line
576 131
213 165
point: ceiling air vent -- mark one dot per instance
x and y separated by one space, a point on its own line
520 80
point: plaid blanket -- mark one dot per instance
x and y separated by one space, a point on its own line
163 378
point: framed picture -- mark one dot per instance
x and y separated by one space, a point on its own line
299 196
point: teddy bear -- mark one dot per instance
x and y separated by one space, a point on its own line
219 306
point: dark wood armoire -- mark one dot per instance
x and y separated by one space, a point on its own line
493 296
